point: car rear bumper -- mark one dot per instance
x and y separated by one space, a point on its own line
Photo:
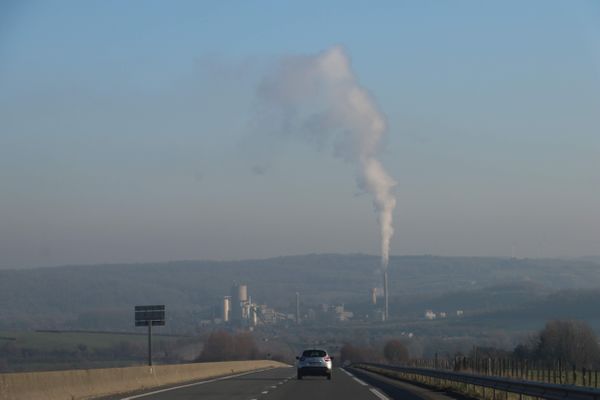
314 371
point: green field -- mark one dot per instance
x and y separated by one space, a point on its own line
52 350
64 340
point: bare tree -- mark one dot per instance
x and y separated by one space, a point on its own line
245 347
221 346
352 354
573 342
395 351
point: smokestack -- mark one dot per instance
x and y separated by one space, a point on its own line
373 296
385 295
298 308
319 97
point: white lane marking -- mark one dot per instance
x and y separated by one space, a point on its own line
347 373
379 394
273 387
359 381
264 392
137 396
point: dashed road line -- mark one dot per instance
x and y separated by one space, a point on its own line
347 373
379 394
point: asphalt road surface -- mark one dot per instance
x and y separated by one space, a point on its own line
281 383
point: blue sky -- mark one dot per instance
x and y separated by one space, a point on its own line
126 130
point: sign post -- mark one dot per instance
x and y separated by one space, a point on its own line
149 316
150 344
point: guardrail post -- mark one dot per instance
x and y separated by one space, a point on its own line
522 369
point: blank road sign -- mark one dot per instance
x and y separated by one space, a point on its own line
150 315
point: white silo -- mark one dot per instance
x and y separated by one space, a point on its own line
226 308
243 293
235 305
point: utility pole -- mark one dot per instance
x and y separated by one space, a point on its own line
297 308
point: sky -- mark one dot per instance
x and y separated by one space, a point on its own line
128 130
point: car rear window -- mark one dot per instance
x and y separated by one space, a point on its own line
314 353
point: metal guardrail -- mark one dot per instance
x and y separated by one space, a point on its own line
522 387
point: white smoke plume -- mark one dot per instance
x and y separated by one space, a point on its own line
319 97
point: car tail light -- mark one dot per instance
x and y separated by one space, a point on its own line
327 359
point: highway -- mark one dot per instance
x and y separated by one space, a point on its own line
281 383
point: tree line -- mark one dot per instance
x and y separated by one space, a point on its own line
392 351
571 342
566 342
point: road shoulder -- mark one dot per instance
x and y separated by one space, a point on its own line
396 389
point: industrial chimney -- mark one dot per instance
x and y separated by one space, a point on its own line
385 295
298 308
253 316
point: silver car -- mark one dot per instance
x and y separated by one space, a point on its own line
314 362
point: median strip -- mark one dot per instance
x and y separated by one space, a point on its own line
93 383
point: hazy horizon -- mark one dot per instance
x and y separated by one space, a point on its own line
137 134
590 257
